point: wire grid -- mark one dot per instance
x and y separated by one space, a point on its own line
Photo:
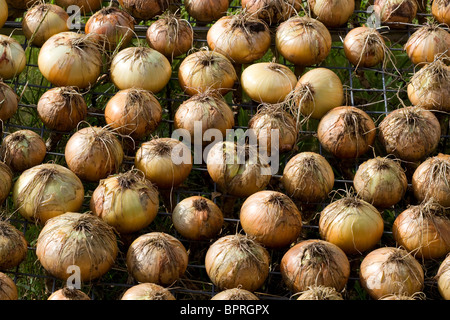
195 284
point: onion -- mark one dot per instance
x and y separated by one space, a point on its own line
410 133
352 224
8 289
9 102
170 35
145 9
272 11
237 170
13 246
416 296
314 263
333 13
210 109
440 10
62 108
93 153
136 67
426 43
21 4
320 293
237 261
365 47
428 87
206 10
389 270
37 192
316 92
3 12
147 291
23 149
241 37
272 218
235 294
206 70
395 13
133 112
13 60
303 41
381 182
197 218
79 239
166 162
68 294
443 278
6 176
346 132
126 201
157 257
268 82
423 230
43 21
308 177
71 59
86 6
113 26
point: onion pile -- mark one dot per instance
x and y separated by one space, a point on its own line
3 12
158 258
320 293
6 177
13 246
396 13
93 153
410 133
86 6
206 10
67 293
314 263
9 101
147 291
272 11
364 47
381 182
37 192
441 11
13 60
43 21
79 239
237 261
346 132
8 289
145 9
333 13
389 270
235 294
443 278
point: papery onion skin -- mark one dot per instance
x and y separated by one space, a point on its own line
4 12
13 246
396 13
126 201
68 294
426 43
235 294
333 13
206 10
381 182
410 133
9 102
346 132
441 11
43 21
314 262
237 261
23 149
93 153
62 108
308 177
320 293
364 47
197 218
272 11
6 178
86 6
37 192
145 9
157 257
13 60
352 224
140 67
147 291
8 289
390 270
443 278
80 239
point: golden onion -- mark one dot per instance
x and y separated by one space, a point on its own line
396 13
8 288
6 178
13 246
332 13
145 9
440 10
3 12
13 60
9 101
68 293
320 293
272 11
147 291
443 278
206 10
364 47
235 294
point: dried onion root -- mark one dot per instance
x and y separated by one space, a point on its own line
235 294
320 293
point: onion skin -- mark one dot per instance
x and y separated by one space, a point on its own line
13 60
443 278
314 262
157 257
80 239
346 132
147 291
145 9
6 177
37 192
426 43
9 102
13 246
396 13
237 261
332 13
380 181
235 294
440 10
272 218
86 6
385 271
206 10
364 47
4 12
68 294
8 289
320 293
272 11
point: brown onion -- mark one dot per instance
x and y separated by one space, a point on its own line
272 11
13 60
8 288
206 10
23 149
67 293
410 133
415 296
3 12
443 278
364 47
320 293
93 153
157 257
6 177
390 270
235 294
86 6
346 132
332 13
314 262
9 101
441 11
237 261
21 4
147 291
13 246
396 13
62 108
145 9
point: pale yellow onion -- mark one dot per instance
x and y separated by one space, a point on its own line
140 67
3 12
8 288
443 278
206 10
145 9
320 293
9 101
364 47
441 11
13 246
147 291
71 59
14 60
272 11
86 6
395 13
268 82
235 294
332 13
68 293
6 177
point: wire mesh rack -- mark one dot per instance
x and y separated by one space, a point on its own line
375 90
